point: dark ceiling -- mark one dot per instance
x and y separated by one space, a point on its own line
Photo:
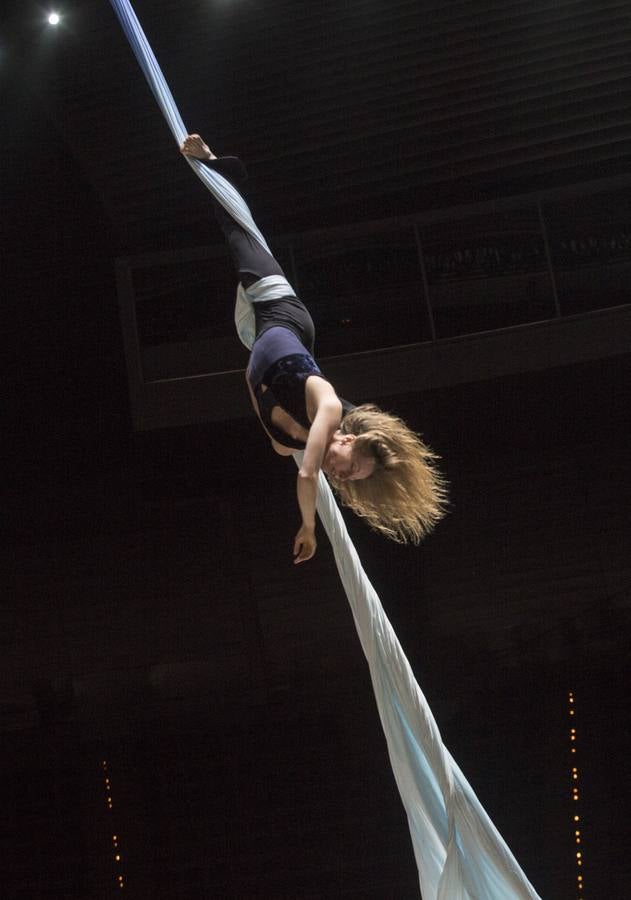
342 112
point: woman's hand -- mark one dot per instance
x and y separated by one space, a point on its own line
305 544
193 145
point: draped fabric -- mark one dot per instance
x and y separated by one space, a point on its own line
459 853
219 186
272 287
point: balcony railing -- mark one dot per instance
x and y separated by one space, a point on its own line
423 278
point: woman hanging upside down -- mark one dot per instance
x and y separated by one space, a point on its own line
378 466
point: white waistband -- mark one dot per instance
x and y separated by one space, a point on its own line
272 287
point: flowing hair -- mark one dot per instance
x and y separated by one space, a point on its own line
405 496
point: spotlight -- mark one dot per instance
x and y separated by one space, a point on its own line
53 18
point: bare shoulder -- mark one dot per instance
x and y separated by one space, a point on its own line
319 389
320 397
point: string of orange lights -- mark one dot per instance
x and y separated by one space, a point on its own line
119 876
576 816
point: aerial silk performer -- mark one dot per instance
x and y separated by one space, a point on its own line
384 472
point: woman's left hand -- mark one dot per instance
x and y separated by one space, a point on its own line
305 544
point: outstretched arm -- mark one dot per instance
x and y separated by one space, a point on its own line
326 422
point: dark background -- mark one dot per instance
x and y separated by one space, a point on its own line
151 617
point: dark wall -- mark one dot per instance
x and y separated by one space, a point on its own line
154 620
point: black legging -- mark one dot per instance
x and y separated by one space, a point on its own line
252 262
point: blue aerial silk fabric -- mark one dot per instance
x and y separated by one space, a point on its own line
459 853
219 186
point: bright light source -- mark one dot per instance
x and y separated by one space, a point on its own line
53 18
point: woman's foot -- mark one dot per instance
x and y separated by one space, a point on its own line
193 145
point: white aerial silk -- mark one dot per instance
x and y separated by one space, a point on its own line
459 853
268 288
272 287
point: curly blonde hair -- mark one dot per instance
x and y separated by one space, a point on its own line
405 496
